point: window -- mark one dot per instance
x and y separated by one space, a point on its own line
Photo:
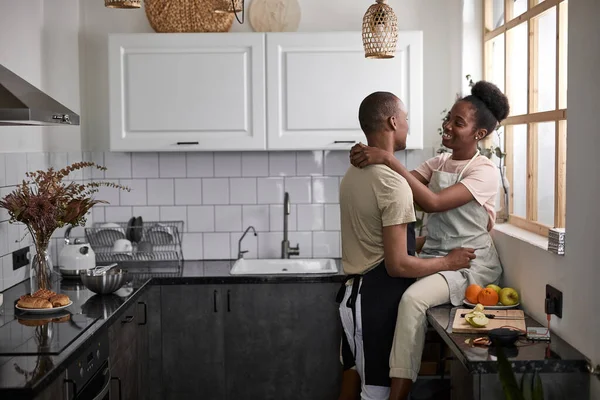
525 54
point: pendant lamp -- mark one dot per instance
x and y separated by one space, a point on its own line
123 4
231 6
380 31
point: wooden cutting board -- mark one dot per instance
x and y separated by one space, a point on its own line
460 325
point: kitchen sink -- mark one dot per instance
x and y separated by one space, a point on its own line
284 266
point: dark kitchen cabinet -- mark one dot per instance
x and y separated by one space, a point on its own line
193 354
128 338
282 341
56 390
250 341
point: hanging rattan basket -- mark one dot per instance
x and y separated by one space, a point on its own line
167 16
123 3
380 31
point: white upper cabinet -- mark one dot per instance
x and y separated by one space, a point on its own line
316 82
185 92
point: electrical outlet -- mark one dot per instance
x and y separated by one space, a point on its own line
554 301
20 258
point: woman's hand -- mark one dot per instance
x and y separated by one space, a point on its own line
362 155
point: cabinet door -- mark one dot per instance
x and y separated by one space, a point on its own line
142 327
282 342
124 353
192 342
317 81
55 391
185 92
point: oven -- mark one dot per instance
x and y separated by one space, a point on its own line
88 377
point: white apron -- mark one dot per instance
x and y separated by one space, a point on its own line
465 226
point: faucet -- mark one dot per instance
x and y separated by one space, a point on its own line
286 250
240 251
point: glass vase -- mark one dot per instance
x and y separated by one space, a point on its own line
41 270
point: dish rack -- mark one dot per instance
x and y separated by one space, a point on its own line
152 243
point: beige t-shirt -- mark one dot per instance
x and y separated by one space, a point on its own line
371 198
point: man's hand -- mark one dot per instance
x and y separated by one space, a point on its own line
362 155
459 258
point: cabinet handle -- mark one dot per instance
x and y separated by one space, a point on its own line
127 319
186 143
345 141
229 301
115 378
145 313
66 382
215 301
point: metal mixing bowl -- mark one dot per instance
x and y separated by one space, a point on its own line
108 282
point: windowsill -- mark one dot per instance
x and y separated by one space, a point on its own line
523 235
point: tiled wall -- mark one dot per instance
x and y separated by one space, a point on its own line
217 195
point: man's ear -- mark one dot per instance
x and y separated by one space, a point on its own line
393 124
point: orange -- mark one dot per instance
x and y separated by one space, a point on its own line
488 297
472 293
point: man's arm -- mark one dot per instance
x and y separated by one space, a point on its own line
399 263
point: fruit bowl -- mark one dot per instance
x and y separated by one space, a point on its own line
496 307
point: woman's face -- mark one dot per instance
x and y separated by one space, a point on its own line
459 128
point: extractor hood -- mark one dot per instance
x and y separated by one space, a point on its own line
21 103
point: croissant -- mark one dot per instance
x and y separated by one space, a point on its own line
59 300
43 294
34 302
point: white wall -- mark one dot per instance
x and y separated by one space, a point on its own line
577 274
440 21
38 41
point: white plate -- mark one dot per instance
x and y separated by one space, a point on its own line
43 310
498 307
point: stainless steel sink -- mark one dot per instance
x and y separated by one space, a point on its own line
284 266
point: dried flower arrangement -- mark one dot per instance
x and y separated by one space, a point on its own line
43 202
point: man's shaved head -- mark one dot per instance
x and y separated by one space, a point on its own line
376 109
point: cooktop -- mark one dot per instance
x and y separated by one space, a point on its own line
29 334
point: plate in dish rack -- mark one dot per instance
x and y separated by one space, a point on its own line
496 307
42 310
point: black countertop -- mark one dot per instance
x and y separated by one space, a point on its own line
21 377
554 357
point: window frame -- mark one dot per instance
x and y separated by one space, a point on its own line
559 115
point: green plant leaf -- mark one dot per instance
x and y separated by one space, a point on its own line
507 378
538 389
499 153
527 386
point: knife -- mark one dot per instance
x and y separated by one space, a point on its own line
494 316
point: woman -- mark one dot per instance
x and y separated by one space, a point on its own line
458 190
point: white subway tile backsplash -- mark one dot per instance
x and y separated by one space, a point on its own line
15 167
2 171
200 165
98 158
216 246
75 157
332 217
87 172
188 191
269 190
310 217
326 245
118 165
200 218
4 238
299 189
250 244
144 165
179 213
192 246
137 196
228 164
336 163
304 240
276 217
98 214
215 191
255 164
109 194
14 237
118 214
11 277
171 165
3 211
58 160
242 190
257 216
309 163
147 213
228 218
282 163
160 192
269 244
325 189
36 162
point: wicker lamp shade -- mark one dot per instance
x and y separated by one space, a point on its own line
380 31
123 3
229 6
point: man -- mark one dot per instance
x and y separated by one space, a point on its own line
376 207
